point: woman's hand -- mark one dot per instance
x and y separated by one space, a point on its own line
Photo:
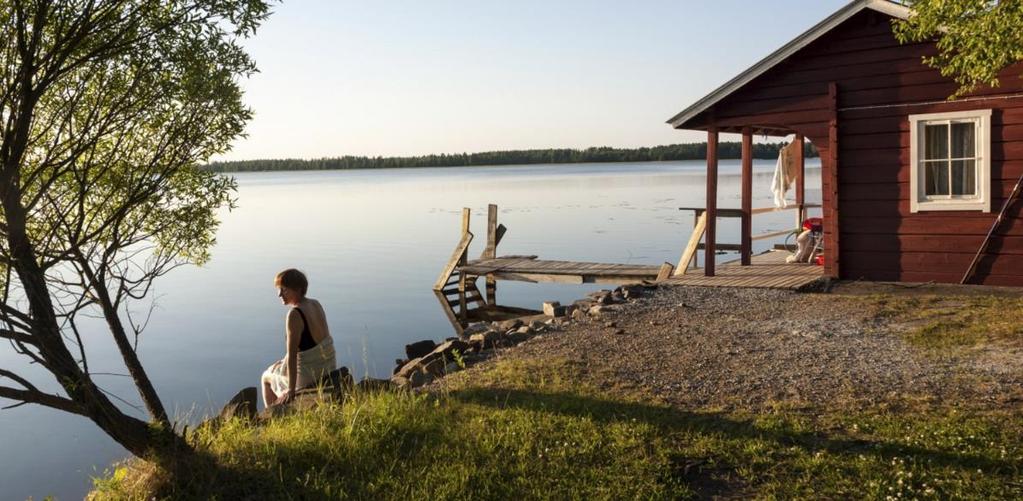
285 398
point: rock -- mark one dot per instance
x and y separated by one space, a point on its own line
485 341
617 297
619 332
373 384
598 294
605 299
447 350
420 379
409 367
475 328
400 382
578 315
434 367
242 405
537 325
525 329
632 291
583 304
519 335
550 308
597 310
419 348
508 325
398 364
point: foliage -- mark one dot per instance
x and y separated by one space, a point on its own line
976 39
107 108
534 430
692 151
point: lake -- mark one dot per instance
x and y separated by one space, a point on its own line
372 243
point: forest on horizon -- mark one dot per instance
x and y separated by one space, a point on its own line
688 151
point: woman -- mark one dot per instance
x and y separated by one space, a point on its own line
309 347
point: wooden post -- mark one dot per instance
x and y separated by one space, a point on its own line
463 308
712 201
746 242
800 179
832 252
491 252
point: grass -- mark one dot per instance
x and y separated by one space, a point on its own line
943 322
533 431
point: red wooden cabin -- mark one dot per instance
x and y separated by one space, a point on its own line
911 182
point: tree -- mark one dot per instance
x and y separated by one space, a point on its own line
976 39
107 108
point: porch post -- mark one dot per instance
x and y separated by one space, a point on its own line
800 180
712 201
746 242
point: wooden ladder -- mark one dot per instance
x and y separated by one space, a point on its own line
994 227
454 288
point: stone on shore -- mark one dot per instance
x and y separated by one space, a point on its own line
242 405
419 348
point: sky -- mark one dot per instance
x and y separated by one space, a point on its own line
395 78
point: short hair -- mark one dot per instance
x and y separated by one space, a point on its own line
292 279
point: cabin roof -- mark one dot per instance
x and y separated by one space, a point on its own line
831 22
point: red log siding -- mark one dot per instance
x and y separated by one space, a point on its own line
878 237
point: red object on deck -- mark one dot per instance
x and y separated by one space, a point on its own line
819 261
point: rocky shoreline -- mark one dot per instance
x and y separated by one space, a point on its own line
427 361
721 348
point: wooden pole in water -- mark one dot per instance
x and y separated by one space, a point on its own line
712 201
490 252
746 242
463 307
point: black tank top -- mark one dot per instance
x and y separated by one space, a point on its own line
306 342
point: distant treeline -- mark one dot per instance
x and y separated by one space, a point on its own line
690 151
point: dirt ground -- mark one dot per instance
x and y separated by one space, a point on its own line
733 349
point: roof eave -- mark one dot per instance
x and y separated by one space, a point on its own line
883 6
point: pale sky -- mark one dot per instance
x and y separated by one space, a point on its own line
392 78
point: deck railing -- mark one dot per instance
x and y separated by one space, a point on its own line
688 258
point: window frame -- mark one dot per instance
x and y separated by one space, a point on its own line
919 200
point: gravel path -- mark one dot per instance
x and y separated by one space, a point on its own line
752 348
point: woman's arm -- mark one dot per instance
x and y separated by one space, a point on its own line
293 328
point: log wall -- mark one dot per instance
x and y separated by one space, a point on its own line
879 84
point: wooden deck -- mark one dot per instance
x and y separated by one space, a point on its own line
531 269
767 271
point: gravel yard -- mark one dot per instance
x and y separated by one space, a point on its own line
735 349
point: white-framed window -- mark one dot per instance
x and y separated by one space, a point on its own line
950 154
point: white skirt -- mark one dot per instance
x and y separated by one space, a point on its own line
313 365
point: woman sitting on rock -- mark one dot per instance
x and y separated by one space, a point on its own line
309 347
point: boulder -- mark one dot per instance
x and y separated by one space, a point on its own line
537 325
409 367
419 348
550 308
420 379
475 328
398 364
597 310
485 341
242 405
508 325
632 291
578 315
373 384
617 297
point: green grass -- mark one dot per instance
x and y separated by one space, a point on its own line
948 322
534 431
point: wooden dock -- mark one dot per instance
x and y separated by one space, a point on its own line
766 271
531 269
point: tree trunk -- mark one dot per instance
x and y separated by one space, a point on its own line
158 442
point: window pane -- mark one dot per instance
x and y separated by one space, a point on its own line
964 177
964 144
936 178
936 142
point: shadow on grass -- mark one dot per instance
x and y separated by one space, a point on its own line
676 421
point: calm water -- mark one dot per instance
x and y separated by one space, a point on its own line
372 244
